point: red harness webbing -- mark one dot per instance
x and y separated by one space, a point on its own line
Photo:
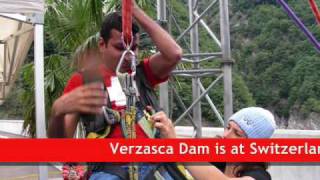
127 21
315 10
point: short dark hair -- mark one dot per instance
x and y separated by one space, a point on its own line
114 21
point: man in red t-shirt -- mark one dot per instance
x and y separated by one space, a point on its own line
89 98
80 98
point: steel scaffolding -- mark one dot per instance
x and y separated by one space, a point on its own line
196 58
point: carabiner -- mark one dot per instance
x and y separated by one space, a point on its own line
133 62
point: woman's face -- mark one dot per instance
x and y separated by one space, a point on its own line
233 131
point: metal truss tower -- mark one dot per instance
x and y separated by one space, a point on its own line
194 56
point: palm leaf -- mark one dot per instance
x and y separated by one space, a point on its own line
69 24
56 73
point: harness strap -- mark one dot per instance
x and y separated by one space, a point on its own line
315 10
127 22
175 170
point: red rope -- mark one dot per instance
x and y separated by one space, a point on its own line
315 10
127 21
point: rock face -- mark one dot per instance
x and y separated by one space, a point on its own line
312 122
298 121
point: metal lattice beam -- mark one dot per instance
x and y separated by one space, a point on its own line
195 58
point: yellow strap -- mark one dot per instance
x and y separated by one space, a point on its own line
93 135
182 169
130 122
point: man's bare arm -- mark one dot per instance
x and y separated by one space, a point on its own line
170 53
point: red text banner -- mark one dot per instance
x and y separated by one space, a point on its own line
160 150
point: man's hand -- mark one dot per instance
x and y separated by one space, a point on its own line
85 99
164 124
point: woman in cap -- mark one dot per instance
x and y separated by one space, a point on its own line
251 122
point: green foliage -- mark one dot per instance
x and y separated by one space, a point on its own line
275 59
27 99
305 86
311 105
11 109
56 73
70 23
242 97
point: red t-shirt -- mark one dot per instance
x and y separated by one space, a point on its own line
76 80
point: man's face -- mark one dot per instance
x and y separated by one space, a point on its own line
233 131
112 50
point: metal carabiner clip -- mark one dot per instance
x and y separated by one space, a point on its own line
128 50
133 62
